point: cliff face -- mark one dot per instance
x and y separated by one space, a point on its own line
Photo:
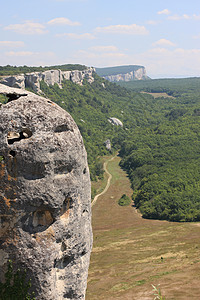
50 77
45 213
139 74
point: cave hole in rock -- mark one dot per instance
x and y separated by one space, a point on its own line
61 128
42 218
63 262
63 169
84 171
13 136
12 153
14 96
63 247
37 221
67 204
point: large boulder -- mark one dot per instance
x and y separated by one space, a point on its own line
45 213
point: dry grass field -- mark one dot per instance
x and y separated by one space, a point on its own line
158 95
131 253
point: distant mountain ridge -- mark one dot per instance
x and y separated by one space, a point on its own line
123 73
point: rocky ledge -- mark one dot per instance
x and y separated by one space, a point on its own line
45 212
50 77
139 74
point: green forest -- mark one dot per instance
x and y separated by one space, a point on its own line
159 142
14 70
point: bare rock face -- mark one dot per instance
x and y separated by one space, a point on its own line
115 121
45 198
50 77
139 74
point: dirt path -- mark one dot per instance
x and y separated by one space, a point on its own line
131 253
108 182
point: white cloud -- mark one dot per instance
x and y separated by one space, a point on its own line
164 12
20 53
11 44
104 48
63 21
99 58
196 37
162 62
132 29
152 22
27 28
196 17
164 43
178 17
75 36
29 58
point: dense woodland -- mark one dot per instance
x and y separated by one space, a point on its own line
14 70
159 142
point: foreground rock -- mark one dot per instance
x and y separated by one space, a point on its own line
44 196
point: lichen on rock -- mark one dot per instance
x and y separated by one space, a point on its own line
45 213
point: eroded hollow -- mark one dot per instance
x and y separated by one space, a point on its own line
13 136
61 128
13 96
67 204
38 221
63 262
12 153
63 169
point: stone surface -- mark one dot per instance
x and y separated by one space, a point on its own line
139 74
50 77
45 213
108 144
115 121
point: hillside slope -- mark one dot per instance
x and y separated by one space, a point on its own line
159 142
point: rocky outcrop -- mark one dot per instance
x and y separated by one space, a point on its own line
115 121
139 74
50 77
107 143
45 214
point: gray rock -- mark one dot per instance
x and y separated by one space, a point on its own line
45 213
50 77
108 144
17 81
115 121
139 74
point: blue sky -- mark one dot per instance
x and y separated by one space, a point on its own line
163 36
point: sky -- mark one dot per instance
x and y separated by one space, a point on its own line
162 36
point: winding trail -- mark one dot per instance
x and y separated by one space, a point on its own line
108 182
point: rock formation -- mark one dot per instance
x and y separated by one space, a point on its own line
107 143
50 77
115 121
45 198
139 74
123 73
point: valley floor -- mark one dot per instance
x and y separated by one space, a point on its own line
131 253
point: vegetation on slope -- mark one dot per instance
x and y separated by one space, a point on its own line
14 70
124 200
159 142
163 160
117 70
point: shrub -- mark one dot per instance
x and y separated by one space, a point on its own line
124 200
16 285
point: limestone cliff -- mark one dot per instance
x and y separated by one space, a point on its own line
139 74
45 212
50 77
123 73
